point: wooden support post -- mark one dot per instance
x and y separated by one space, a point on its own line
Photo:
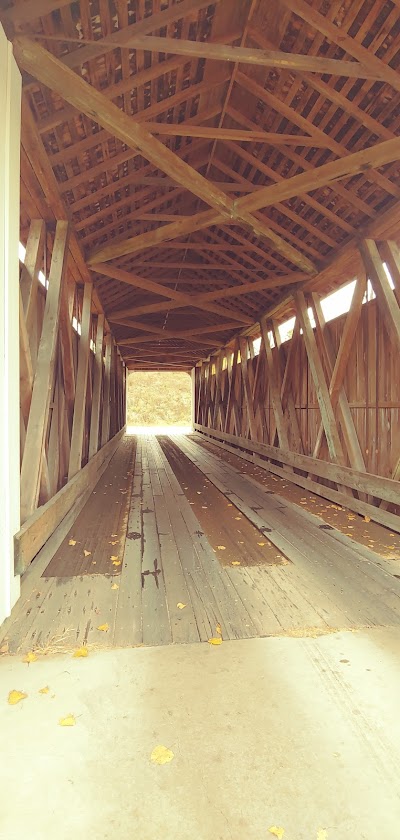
105 423
67 354
97 383
286 393
384 294
34 257
42 388
75 457
280 420
336 371
317 372
390 253
244 350
232 364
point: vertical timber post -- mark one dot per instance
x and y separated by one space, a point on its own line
10 128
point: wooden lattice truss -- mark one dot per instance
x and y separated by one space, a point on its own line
212 157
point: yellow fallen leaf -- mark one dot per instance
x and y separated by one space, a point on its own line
221 547
215 641
81 652
71 542
260 543
44 690
238 517
367 519
30 657
161 755
114 535
277 830
15 697
116 562
322 834
218 629
67 721
86 553
113 542
181 606
235 563
104 627
230 504
115 586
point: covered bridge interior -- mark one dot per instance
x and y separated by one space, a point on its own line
209 187
195 180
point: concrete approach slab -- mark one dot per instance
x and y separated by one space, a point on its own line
301 734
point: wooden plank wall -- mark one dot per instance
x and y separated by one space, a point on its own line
64 416
332 392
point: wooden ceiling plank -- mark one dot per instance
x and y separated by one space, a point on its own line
148 24
333 33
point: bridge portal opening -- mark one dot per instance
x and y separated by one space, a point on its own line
158 400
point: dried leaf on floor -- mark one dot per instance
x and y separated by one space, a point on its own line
104 627
67 721
113 542
86 553
235 563
367 519
71 542
114 535
278 831
181 606
161 755
115 586
81 653
115 560
261 543
44 690
15 697
215 641
221 547
30 657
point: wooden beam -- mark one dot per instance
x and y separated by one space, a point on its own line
384 294
390 253
183 298
165 335
324 175
34 258
225 52
274 387
321 388
218 294
336 371
336 35
97 383
244 363
235 134
75 458
42 388
105 422
51 72
389 520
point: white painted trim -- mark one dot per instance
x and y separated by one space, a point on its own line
10 127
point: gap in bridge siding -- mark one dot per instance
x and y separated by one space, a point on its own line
221 521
